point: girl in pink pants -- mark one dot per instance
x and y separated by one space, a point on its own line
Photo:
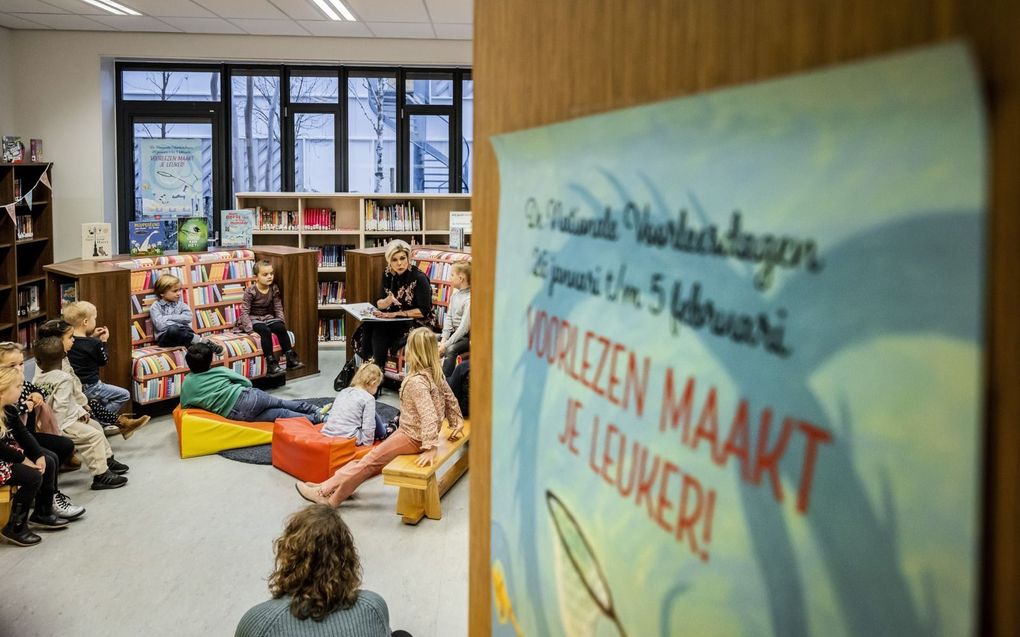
425 401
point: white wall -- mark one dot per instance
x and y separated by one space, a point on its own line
59 97
6 81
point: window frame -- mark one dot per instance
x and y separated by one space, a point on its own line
222 121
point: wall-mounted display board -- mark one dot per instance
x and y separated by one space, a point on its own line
739 345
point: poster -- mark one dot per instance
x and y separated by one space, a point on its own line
171 179
237 227
740 347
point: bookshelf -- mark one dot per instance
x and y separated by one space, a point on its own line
26 246
335 224
212 285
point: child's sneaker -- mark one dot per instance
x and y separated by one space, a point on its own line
108 480
216 347
64 508
111 430
115 466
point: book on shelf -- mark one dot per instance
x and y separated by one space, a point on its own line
399 217
236 227
96 241
28 300
35 151
69 294
331 330
13 149
151 238
24 230
27 334
17 189
275 219
193 235
457 238
332 292
333 256
320 219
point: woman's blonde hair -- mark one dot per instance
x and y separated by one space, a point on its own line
423 355
165 283
395 246
10 347
317 564
9 376
463 267
367 375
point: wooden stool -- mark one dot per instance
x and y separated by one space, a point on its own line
420 487
5 504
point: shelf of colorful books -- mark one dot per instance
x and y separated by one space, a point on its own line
217 304
203 283
214 328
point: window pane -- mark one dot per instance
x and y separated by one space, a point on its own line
430 88
163 193
430 160
256 148
372 134
315 152
314 89
172 86
467 121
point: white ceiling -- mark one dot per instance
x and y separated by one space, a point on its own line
426 19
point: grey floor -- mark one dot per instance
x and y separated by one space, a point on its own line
185 548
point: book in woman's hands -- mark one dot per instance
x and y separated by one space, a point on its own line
364 312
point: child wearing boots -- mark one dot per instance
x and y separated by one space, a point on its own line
171 317
262 312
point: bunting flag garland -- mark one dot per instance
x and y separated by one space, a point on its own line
27 195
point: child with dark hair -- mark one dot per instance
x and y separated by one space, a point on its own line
68 404
317 577
111 422
225 392
261 312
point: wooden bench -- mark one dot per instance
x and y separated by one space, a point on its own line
420 487
5 504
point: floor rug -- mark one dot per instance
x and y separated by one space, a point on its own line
263 454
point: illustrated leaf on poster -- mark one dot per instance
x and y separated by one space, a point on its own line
581 585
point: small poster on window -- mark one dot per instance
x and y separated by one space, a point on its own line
171 176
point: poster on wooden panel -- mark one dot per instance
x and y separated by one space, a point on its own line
738 345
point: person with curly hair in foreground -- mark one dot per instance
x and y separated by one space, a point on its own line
315 584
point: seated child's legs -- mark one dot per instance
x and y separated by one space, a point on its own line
177 335
380 427
280 329
255 405
91 443
111 396
265 337
453 350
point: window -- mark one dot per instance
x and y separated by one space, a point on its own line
372 133
267 128
255 143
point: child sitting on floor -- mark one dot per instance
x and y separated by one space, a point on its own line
171 317
112 423
261 312
225 392
88 354
353 414
68 404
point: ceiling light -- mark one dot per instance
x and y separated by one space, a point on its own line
343 10
325 8
112 7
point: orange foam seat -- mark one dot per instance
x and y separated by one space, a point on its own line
300 450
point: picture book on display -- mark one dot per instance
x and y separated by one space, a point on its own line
13 148
151 238
193 234
35 150
96 241
237 227
68 294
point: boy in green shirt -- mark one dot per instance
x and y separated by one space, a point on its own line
225 392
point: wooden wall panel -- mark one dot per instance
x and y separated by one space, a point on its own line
537 62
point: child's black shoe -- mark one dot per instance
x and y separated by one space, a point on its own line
116 466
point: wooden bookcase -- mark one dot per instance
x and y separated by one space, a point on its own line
23 256
108 285
326 221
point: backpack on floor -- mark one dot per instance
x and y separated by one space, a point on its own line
343 379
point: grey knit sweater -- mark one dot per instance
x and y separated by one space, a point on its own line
369 617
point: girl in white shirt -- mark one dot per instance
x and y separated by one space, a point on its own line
353 412
455 339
